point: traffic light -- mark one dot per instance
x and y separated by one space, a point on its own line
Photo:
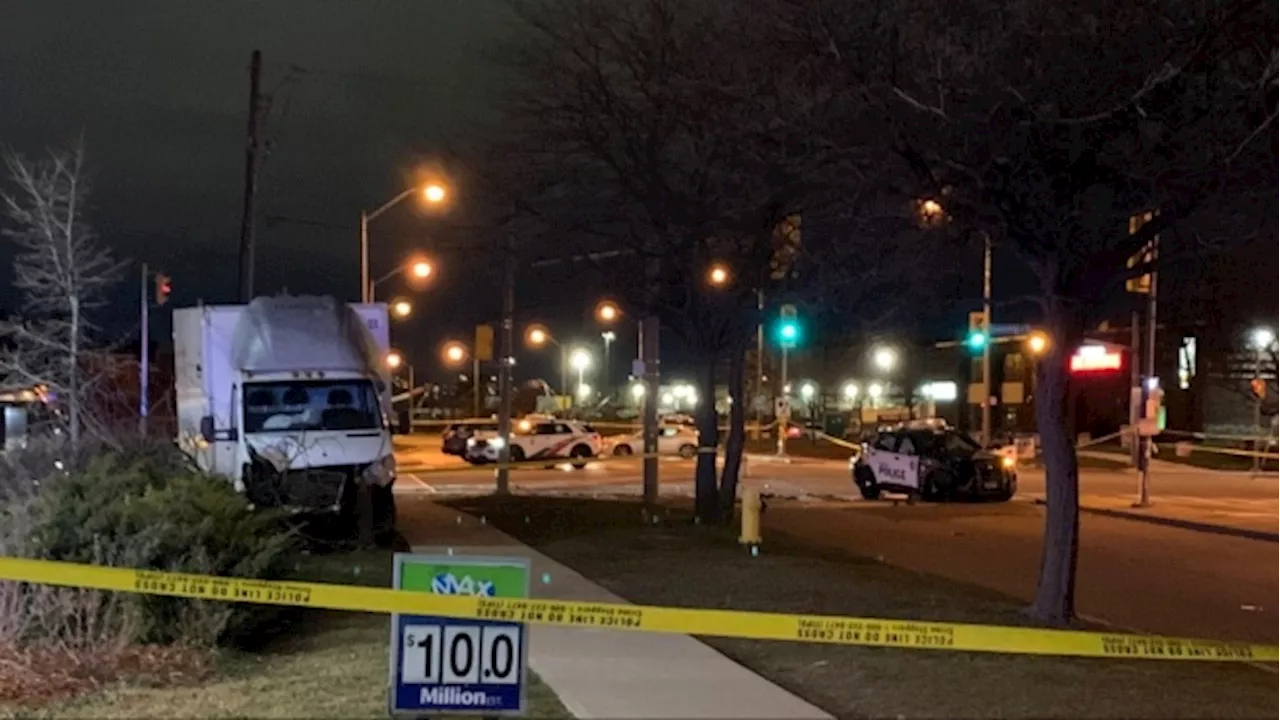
788 327
978 335
163 287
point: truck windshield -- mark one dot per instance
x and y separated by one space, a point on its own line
311 405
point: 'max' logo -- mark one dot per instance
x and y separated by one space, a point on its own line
449 584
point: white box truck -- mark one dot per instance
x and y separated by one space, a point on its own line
289 398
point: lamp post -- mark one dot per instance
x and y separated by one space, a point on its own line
608 336
1261 340
581 360
537 336
433 193
418 269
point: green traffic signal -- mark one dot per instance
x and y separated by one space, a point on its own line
789 333
976 340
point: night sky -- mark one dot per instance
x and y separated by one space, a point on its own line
362 94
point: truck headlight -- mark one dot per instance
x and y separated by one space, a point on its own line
380 472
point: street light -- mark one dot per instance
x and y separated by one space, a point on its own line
418 269
718 275
454 353
1037 342
637 391
806 391
874 391
401 308
537 336
394 360
433 193
850 390
607 311
884 358
1261 338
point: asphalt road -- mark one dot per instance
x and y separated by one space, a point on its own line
1134 574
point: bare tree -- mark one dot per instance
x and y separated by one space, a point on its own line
64 274
1046 125
668 137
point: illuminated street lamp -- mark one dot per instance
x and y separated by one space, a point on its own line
718 275
637 391
394 360
874 391
607 311
1261 338
884 358
850 390
538 336
1037 343
417 269
806 391
580 360
432 193
454 353
401 308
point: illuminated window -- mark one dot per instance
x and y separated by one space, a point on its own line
1186 362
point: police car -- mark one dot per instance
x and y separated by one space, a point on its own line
931 462
545 439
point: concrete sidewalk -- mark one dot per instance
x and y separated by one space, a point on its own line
611 674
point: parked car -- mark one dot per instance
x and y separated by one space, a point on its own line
547 440
933 464
454 438
672 440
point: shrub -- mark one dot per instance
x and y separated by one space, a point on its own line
146 509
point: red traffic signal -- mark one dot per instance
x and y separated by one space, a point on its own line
164 286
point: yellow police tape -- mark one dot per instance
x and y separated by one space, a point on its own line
835 630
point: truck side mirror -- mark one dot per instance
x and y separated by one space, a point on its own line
210 433
206 428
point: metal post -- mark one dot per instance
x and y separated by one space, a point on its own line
1135 389
475 385
1144 469
364 257
1257 408
607 336
649 357
784 417
564 371
507 357
986 346
759 378
144 354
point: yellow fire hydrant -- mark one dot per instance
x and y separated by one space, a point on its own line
751 506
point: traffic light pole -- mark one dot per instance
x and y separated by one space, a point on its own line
784 417
758 380
986 346
144 354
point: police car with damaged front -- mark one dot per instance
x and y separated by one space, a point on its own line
932 462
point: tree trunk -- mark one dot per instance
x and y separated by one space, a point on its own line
1055 594
737 434
73 376
706 498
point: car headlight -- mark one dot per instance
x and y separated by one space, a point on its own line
497 443
1008 463
380 472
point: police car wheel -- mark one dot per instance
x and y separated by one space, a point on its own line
579 456
866 483
933 487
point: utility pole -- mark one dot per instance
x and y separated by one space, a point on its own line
758 381
506 359
650 360
250 179
1144 469
986 346
784 405
1257 384
144 353
1135 388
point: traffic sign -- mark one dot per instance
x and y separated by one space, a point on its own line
454 666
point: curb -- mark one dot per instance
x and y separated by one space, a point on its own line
1193 525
